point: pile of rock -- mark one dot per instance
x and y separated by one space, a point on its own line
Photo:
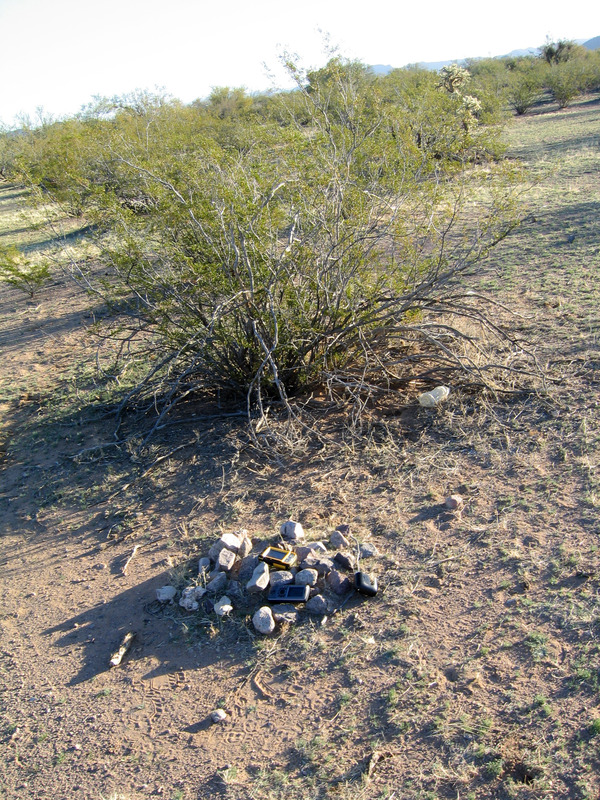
233 573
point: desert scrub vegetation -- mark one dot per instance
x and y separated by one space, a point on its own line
312 243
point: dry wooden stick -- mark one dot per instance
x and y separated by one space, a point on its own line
125 645
130 559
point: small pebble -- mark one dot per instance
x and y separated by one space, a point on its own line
454 501
218 716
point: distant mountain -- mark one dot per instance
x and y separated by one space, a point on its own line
383 69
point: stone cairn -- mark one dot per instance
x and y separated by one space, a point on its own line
231 576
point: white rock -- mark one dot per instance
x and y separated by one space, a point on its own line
225 560
292 531
218 716
263 620
190 596
231 541
166 594
223 606
260 578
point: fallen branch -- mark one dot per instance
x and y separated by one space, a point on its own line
125 645
130 559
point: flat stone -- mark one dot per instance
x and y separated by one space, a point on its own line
217 584
166 594
317 605
306 577
226 560
368 550
263 620
247 567
280 577
285 612
338 582
345 560
292 531
337 539
317 547
259 580
320 563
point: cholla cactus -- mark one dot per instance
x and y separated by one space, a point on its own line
471 109
454 78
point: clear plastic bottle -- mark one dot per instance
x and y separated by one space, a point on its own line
434 397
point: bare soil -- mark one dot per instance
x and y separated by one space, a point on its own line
475 672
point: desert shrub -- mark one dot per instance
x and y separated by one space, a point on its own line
18 271
525 87
317 247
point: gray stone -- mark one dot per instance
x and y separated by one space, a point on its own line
338 582
303 551
307 577
215 549
338 539
247 567
285 612
245 545
204 565
345 560
226 560
317 605
218 716
259 580
234 590
292 531
166 594
217 584
320 563
280 577
263 620
317 547
368 550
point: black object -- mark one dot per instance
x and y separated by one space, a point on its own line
364 584
289 593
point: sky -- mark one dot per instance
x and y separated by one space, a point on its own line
56 55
